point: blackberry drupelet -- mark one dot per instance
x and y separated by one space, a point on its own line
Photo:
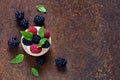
19 15
26 42
46 45
39 20
61 62
24 23
40 60
13 42
36 39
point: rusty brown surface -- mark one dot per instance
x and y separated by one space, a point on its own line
85 32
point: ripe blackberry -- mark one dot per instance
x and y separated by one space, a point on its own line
13 42
19 15
24 23
61 62
40 60
46 45
26 42
36 39
39 20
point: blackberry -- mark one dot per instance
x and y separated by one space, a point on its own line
13 42
46 45
40 60
26 42
19 15
36 39
24 23
39 20
61 62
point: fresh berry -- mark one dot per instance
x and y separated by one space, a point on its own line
36 39
19 15
32 30
40 60
35 49
13 42
39 20
26 42
46 44
24 23
61 62
46 33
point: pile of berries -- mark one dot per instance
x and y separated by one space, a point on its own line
36 39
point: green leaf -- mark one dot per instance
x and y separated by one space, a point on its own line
18 59
41 42
41 8
35 72
27 35
41 32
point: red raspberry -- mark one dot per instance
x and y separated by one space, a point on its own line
35 49
32 30
46 33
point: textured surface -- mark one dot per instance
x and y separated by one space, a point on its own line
85 32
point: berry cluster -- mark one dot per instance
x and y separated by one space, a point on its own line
36 39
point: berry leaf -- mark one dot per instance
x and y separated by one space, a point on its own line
35 72
41 8
18 59
41 42
41 32
27 35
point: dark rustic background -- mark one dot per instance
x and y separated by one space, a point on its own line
85 32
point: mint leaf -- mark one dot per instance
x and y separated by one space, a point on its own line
35 72
41 8
41 32
41 42
18 59
27 35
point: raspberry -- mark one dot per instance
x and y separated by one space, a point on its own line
40 60
61 62
19 15
13 42
39 20
26 42
46 33
32 30
36 39
46 45
35 49
24 23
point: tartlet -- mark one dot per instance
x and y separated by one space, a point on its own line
27 48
